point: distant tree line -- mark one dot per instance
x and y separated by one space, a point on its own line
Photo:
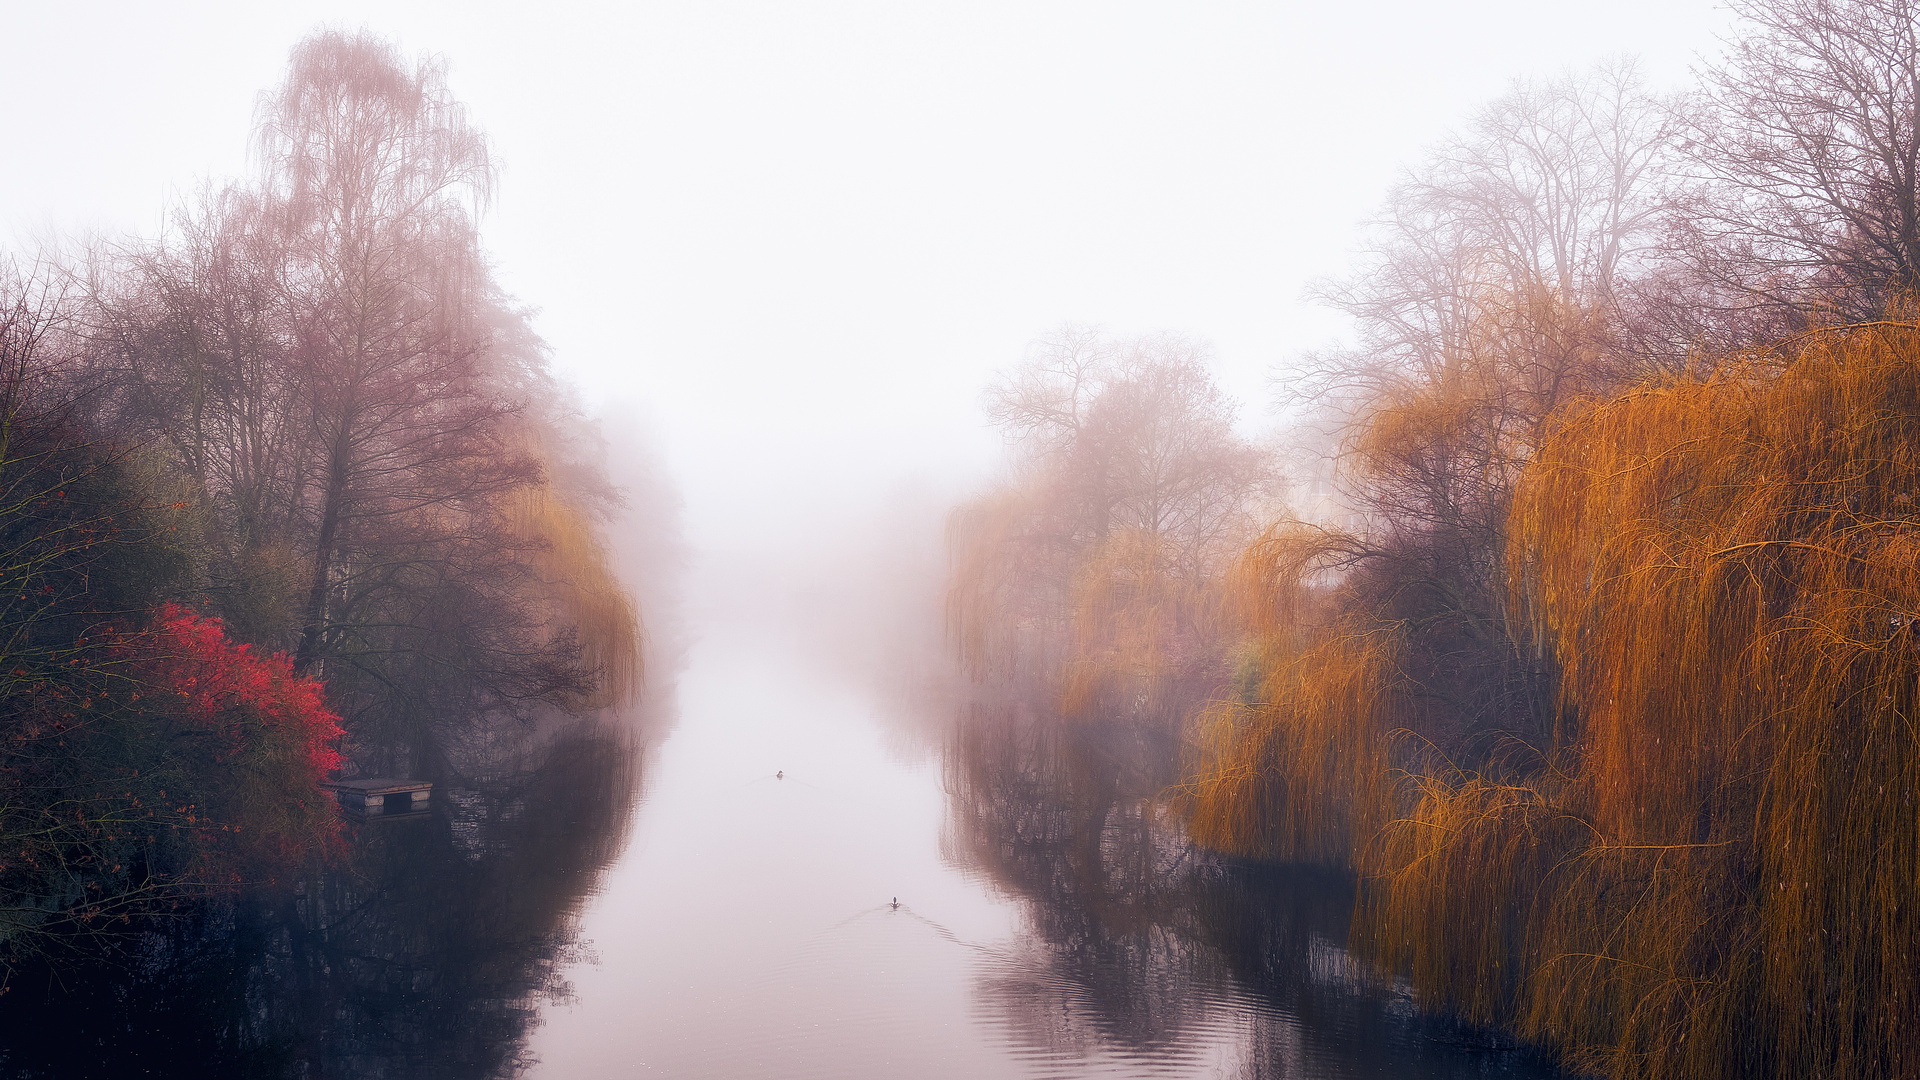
1585 641
290 489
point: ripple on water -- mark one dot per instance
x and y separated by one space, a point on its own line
875 996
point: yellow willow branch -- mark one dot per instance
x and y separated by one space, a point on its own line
1670 975
1784 543
1662 847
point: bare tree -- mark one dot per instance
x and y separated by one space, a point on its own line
1805 153
191 338
1548 192
1043 403
1132 435
1131 494
375 169
1488 295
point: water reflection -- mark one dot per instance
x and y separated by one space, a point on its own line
428 957
1059 928
1145 957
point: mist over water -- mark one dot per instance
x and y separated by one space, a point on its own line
1094 480
708 890
1051 921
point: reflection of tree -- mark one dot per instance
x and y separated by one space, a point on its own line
1140 945
427 959
1055 813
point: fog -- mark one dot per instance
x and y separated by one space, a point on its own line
797 239
1065 647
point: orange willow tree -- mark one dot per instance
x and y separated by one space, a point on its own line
1291 765
1741 668
1486 301
1398 624
1713 871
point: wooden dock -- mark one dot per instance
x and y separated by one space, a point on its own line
382 796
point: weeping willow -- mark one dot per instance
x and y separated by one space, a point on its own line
1291 765
1718 875
1710 867
1728 572
584 597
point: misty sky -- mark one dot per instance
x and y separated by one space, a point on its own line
796 238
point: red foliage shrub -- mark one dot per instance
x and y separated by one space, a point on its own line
254 740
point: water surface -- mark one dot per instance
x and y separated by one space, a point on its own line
1051 922
812 875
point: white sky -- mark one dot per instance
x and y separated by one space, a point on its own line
796 238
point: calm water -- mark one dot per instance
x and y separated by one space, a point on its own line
722 905
1050 921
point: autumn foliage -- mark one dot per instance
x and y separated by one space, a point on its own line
1728 572
1705 864
145 759
1291 764
150 766
1590 641
309 414
266 733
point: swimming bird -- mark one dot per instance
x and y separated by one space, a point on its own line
781 775
896 903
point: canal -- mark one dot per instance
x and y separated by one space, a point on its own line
783 867
1050 920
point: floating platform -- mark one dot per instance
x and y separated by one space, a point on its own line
382 796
